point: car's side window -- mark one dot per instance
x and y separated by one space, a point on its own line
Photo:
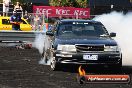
6 21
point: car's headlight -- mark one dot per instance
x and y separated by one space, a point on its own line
111 48
66 48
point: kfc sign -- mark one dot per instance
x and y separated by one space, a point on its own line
51 11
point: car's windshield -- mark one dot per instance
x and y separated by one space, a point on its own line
81 30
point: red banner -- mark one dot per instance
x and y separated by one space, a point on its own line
51 11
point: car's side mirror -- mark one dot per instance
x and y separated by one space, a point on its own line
112 34
50 33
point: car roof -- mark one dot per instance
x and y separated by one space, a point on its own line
78 20
6 17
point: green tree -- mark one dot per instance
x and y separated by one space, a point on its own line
1 1
82 3
73 3
21 1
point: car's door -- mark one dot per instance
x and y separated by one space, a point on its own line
25 26
5 24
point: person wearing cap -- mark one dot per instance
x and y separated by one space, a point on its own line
15 20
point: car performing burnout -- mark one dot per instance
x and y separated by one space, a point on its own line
84 42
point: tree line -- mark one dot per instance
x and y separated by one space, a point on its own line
69 3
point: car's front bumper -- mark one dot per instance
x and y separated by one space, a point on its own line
77 58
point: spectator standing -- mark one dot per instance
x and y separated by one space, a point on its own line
18 9
6 7
37 22
15 20
26 17
31 19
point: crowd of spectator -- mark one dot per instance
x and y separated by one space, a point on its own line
35 20
17 7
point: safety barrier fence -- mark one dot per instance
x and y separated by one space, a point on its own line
18 36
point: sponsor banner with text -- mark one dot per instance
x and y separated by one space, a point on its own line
105 78
51 11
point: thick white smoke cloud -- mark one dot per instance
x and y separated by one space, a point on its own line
39 42
42 44
122 25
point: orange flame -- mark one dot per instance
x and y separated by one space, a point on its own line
81 71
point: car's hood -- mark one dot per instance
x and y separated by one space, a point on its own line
90 40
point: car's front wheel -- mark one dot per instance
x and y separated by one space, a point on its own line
53 65
116 68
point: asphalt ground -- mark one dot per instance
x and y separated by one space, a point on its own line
19 68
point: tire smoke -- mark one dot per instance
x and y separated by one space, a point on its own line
39 42
122 25
42 44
